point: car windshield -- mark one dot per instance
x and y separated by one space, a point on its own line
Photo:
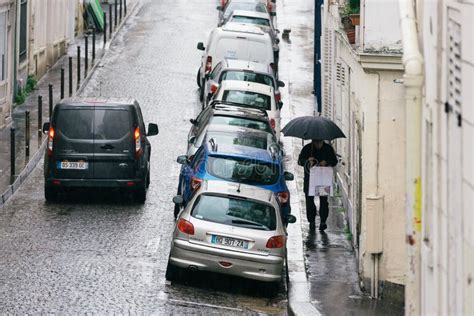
249 171
250 20
238 139
248 98
248 76
247 6
242 122
234 212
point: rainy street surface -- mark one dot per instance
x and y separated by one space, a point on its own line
96 252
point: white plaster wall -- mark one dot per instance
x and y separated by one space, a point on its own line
380 25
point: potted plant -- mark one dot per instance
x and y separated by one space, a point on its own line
350 18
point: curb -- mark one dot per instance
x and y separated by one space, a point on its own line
30 166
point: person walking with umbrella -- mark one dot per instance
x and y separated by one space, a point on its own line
316 153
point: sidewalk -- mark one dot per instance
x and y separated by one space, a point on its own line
24 165
322 267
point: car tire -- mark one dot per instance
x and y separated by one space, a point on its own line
50 194
270 289
172 272
201 94
198 78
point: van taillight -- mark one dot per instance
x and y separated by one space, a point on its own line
138 143
276 242
195 184
185 227
208 64
272 123
214 88
50 141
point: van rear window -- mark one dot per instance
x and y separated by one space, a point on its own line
249 99
89 123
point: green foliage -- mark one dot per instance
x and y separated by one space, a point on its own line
20 96
348 233
31 84
353 7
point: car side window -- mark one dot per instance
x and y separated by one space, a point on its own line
198 157
216 71
202 115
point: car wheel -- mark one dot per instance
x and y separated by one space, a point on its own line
148 179
198 78
177 209
270 289
50 194
172 272
201 94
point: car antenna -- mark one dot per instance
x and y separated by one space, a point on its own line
238 188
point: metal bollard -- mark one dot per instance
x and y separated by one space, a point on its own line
78 66
40 120
93 45
115 15
12 155
50 88
70 77
86 55
27 136
120 11
125 7
62 84
105 28
111 24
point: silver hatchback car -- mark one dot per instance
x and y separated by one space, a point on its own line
230 228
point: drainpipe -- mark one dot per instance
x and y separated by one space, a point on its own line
413 80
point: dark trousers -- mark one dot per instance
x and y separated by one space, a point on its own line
311 208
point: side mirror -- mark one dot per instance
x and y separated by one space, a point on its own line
46 127
192 139
200 46
280 105
178 199
280 83
273 14
288 176
152 129
290 219
193 121
219 8
182 160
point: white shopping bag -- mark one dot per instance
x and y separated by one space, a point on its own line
320 181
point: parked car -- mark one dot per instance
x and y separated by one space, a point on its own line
233 229
252 95
262 20
234 41
248 5
220 114
97 143
271 5
241 70
232 135
253 166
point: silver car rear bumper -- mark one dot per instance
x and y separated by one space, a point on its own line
262 268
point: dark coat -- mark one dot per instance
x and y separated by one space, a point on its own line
325 153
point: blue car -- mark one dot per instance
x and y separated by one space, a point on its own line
235 163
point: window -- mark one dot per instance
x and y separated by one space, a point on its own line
248 76
247 171
237 139
3 45
235 212
242 122
250 20
23 29
248 98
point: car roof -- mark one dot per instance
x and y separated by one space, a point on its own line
239 151
238 111
246 86
239 64
82 101
238 190
242 28
253 14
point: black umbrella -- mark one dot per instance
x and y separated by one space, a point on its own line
313 127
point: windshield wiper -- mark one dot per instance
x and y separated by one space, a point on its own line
246 222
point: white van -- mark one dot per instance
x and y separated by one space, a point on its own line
234 41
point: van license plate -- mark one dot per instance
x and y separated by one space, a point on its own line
227 241
77 165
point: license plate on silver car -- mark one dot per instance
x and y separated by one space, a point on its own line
76 165
231 242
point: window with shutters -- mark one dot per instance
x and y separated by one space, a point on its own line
327 72
454 70
3 45
23 29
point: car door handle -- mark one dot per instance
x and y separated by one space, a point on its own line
107 146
